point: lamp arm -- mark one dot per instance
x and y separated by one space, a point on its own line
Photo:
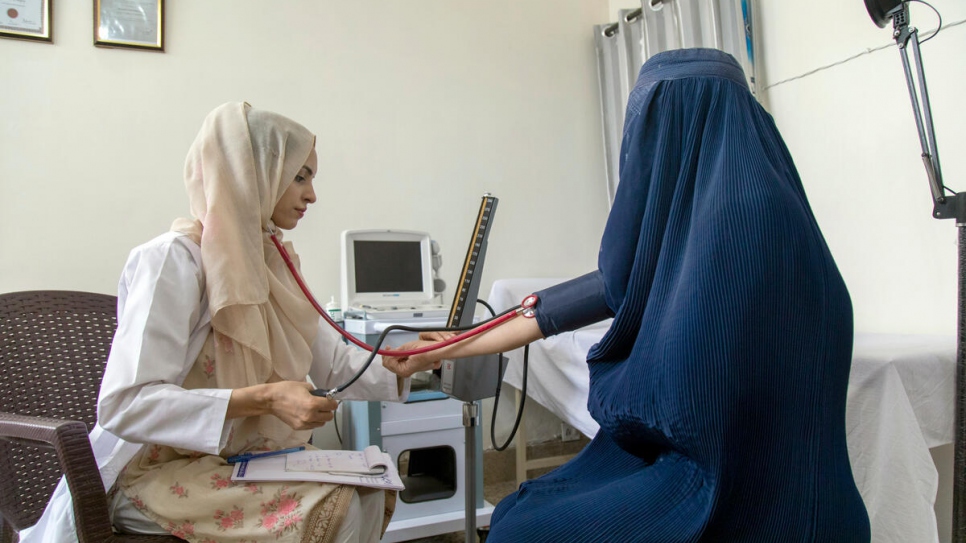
905 36
927 111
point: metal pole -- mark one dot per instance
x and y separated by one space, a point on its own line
470 419
959 463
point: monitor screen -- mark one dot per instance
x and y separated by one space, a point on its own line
388 266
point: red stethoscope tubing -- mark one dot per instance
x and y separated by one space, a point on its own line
402 354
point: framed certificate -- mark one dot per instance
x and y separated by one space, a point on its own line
137 24
26 20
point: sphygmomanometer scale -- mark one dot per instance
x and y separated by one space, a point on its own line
437 426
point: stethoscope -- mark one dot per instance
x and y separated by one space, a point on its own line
526 308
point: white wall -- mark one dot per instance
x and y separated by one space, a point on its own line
851 131
617 5
419 109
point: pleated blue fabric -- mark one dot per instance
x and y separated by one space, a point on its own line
720 388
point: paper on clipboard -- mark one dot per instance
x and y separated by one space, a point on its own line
370 461
273 469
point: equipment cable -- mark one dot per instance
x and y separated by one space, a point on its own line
499 386
468 331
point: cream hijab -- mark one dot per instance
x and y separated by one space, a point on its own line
238 167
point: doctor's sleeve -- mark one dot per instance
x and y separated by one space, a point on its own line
334 363
141 399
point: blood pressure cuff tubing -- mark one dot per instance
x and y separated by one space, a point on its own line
572 304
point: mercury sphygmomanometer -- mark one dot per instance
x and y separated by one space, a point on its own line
469 286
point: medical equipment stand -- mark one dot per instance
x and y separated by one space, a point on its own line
470 422
944 207
471 379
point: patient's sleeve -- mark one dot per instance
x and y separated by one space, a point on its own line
572 304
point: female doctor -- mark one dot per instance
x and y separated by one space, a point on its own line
214 345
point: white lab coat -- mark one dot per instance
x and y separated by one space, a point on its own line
163 322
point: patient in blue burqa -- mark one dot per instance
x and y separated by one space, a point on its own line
720 387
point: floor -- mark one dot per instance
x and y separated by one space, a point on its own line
499 477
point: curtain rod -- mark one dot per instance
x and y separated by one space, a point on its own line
611 29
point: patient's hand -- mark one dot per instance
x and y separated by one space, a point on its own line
405 366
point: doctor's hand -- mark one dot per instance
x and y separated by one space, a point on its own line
290 401
405 366
436 336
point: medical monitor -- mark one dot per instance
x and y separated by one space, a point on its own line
383 268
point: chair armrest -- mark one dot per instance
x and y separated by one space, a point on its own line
71 444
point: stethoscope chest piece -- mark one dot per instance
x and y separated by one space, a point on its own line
528 305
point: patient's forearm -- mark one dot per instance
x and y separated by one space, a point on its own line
506 337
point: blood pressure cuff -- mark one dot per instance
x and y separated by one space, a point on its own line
572 304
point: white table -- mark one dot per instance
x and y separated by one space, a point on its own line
900 404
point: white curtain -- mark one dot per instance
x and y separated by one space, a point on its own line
662 25
619 58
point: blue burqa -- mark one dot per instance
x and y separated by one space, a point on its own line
720 387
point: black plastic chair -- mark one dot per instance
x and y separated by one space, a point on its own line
53 348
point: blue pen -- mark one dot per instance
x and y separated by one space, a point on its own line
252 456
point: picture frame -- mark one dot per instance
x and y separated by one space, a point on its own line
27 20
132 24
